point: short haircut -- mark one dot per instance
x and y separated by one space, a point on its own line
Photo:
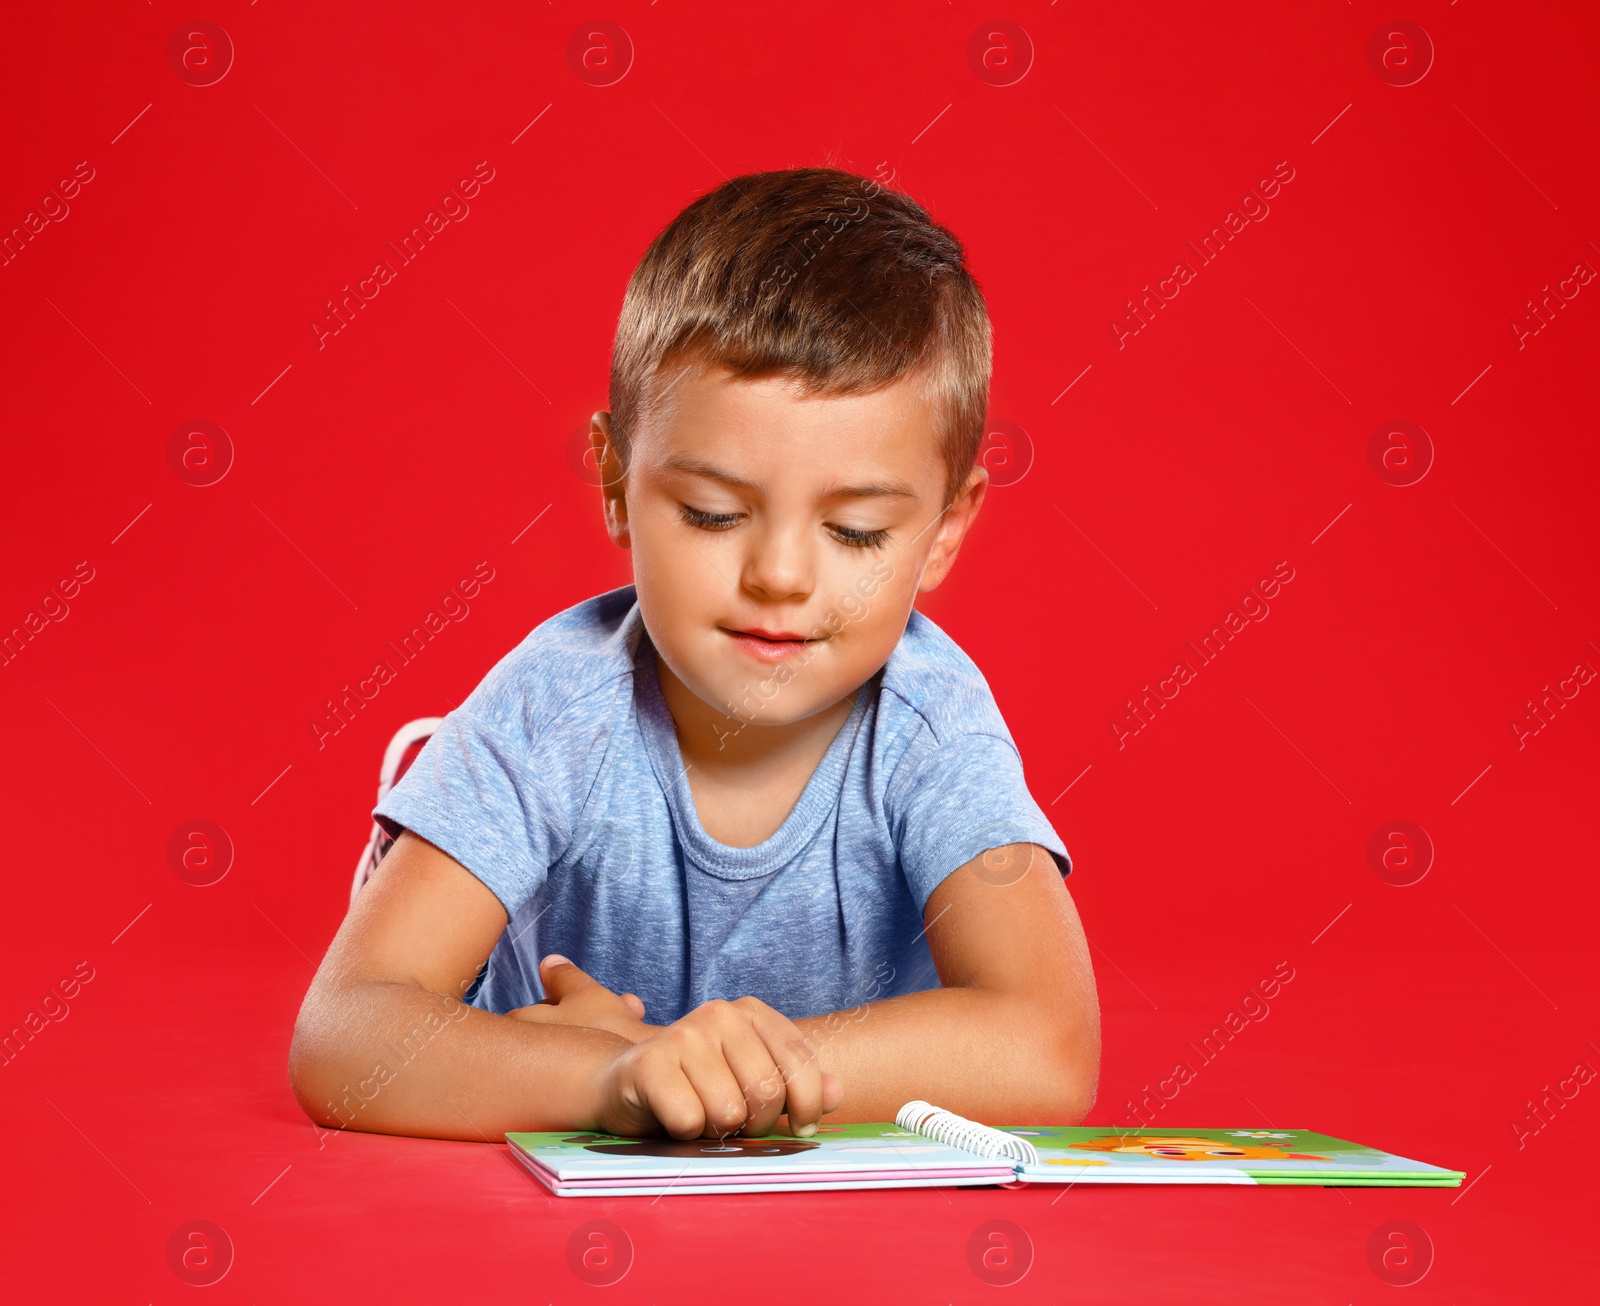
817 275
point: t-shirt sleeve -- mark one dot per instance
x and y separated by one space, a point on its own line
954 799
471 794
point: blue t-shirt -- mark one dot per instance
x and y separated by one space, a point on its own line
560 785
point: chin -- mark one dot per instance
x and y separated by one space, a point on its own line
791 704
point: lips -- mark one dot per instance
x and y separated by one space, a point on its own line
768 645
775 636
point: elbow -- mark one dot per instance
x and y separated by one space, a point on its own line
312 1072
1072 1073
305 1081
1053 1055
1077 1100
1072 1094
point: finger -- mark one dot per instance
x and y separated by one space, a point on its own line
671 1098
802 1076
634 1004
721 1098
832 1093
561 979
760 1080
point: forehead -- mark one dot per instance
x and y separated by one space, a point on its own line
769 428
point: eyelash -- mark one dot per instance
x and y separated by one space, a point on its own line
846 535
709 521
854 539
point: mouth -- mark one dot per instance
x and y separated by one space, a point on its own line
769 645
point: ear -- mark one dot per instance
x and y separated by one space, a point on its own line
612 477
952 529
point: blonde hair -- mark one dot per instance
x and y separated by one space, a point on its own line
817 275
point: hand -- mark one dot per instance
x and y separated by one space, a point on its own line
725 1067
574 998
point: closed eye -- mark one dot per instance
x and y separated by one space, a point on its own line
709 521
855 539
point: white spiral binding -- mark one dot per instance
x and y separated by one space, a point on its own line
957 1131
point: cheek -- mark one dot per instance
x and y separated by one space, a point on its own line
869 598
670 580
666 560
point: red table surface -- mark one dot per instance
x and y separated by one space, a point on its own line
235 169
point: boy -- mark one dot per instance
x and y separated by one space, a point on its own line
761 819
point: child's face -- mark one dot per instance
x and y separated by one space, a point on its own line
779 541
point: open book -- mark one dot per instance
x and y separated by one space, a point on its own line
926 1147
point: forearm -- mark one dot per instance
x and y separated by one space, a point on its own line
395 1058
982 1053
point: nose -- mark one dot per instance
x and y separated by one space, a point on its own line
781 564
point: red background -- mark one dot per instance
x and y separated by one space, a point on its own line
1227 836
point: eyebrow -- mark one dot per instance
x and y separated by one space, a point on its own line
869 490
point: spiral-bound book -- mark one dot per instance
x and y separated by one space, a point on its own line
926 1147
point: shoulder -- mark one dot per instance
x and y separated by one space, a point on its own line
955 786
569 668
930 679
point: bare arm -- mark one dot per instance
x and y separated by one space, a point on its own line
1013 1034
384 1043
